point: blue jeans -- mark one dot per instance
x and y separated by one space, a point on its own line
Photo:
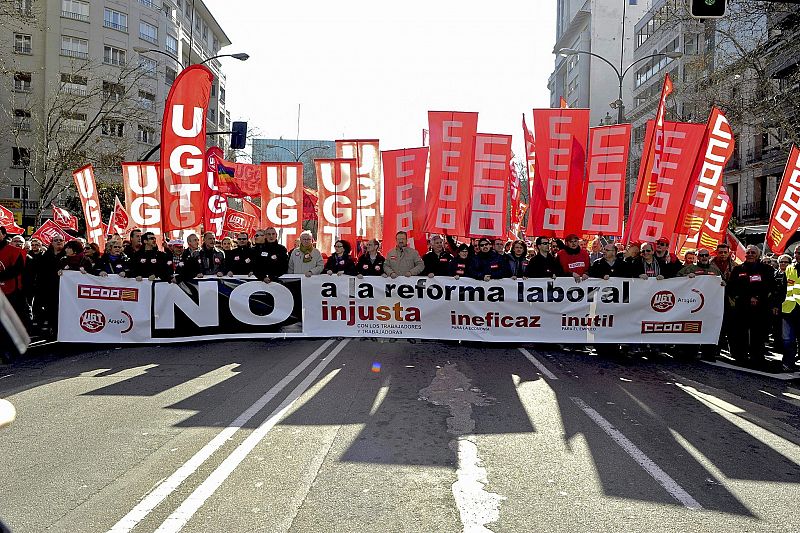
791 327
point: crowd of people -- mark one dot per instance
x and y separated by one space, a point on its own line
761 294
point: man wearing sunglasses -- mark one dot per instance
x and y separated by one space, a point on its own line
752 288
542 263
150 262
239 261
488 264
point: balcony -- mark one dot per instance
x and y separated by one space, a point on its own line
22 49
753 211
22 125
150 39
73 128
115 26
74 53
74 16
151 5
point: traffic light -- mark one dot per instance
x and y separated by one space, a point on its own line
239 135
707 9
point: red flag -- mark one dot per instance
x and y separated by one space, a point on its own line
656 218
183 145
214 200
64 218
561 142
237 180
487 209
120 222
607 168
514 186
237 222
785 218
48 230
737 248
448 194
562 103
142 195
530 157
338 192
282 200
8 221
653 150
404 182
310 199
370 187
87 191
707 175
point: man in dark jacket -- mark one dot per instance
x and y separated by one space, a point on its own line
751 287
437 260
542 263
211 258
150 262
488 264
371 261
239 261
610 265
271 258
670 264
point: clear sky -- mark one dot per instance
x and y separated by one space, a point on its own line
372 69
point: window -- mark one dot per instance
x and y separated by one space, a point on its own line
171 74
215 44
22 43
22 119
20 157
115 20
171 44
113 91
114 56
18 192
212 115
24 7
75 9
188 11
145 135
73 122
74 47
197 23
147 100
222 95
148 65
112 128
148 3
74 84
148 32
205 32
22 82
168 11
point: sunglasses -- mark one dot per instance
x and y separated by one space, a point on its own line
704 255
751 252
259 235
241 238
545 243
785 262
647 251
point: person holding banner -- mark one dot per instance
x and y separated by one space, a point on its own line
240 261
305 259
460 263
670 264
340 262
211 258
543 263
752 287
402 260
609 266
75 259
647 266
150 262
574 260
437 260
488 264
174 250
114 261
517 259
271 260
135 242
371 261
790 316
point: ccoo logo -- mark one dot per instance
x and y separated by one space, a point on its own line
662 301
92 321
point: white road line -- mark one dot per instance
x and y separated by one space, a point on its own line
164 489
196 499
663 479
543 369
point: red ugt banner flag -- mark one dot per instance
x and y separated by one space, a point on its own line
215 202
561 139
785 218
404 185
8 221
48 231
487 208
183 146
452 136
282 200
336 207
370 188
238 222
64 218
120 222
607 167
87 190
142 195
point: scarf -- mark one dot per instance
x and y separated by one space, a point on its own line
306 251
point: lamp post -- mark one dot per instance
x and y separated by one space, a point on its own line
296 156
620 106
144 50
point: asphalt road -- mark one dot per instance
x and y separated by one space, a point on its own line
359 435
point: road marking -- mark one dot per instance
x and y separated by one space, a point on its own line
543 369
207 488
382 392
661 477
164 489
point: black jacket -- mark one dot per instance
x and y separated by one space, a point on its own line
601 268
367 267
438 265
111 264
239 261
540 266
344 264
146 263
271 259
752 280
518 266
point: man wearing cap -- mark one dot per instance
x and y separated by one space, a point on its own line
670 264
573 260
239 261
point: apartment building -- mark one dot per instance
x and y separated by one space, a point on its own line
86 82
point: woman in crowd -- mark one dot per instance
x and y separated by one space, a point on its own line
371 261
74 259
114 261
518 259
460 263
228 244
340 262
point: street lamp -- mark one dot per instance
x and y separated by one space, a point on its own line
241 56
297 157
619 105
143 50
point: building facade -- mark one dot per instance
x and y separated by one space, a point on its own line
594 26
85 82
290 150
